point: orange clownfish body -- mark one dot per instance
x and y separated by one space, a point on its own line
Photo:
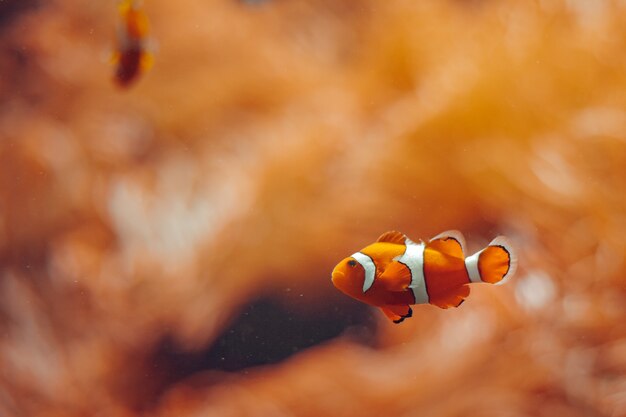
132 57
394 272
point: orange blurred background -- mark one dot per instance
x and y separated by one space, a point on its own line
166 250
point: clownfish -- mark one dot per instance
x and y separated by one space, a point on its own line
394 272
131 56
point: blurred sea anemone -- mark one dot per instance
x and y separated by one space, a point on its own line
166 250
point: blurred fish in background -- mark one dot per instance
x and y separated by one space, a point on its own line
132 56
167 251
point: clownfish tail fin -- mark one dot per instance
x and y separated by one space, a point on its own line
494 263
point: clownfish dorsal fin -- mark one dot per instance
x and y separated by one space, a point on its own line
394 237
450 242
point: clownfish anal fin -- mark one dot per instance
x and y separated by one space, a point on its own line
452 298
451 243
397 313
395 277
393 237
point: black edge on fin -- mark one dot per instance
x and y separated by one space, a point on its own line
408 315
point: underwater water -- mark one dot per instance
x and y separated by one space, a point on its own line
178 179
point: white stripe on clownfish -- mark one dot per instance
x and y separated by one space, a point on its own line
471 264
413 258
370 269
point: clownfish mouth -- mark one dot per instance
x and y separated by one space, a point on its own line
336 275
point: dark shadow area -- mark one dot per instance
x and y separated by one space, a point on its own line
268 332
11 8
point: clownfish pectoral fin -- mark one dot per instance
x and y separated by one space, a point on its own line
453 298
394 237
451 243
395 277
397 313
494 263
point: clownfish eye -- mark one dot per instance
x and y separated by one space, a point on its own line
352 263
